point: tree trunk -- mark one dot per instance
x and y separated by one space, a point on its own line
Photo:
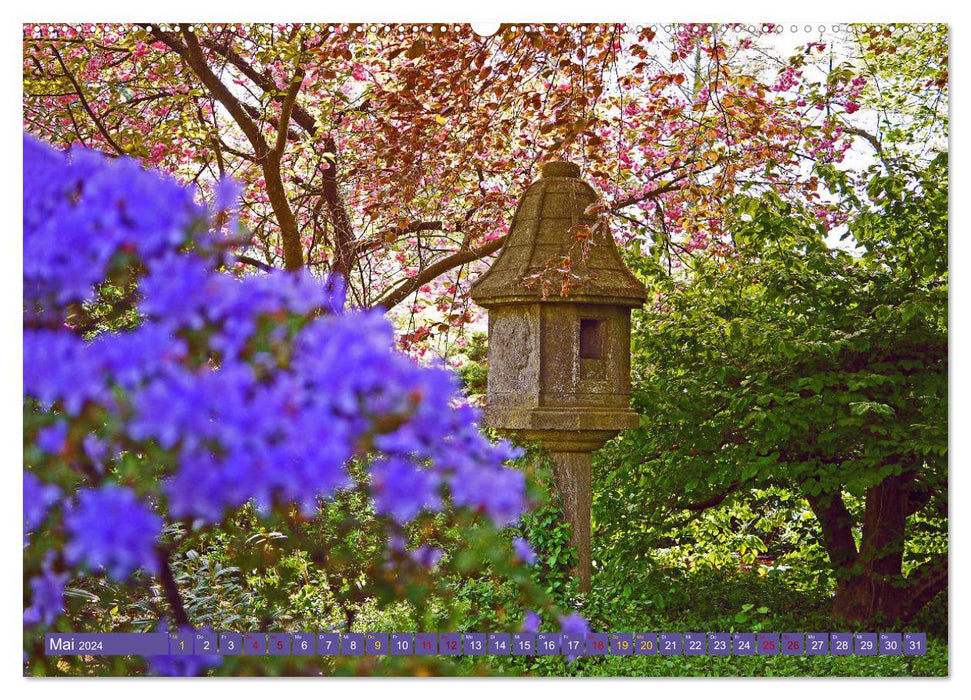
870 583
289 230
877 587
344 244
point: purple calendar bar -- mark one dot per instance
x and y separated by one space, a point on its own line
352 644
645 644
329 644
102 644
450 644
230 644
915 644
278 644
254 643
840 644
669 644
523 644
621 644
426 643
793 644
475 644
817 644
891 643
203 642
694 643
402 643
720 644
743 643
376 644
866 644
548 643
303 644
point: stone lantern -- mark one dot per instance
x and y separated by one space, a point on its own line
559 298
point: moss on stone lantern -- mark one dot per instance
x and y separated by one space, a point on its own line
559 298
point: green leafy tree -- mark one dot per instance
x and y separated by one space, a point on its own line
798 365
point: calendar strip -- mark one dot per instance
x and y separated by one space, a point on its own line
488 644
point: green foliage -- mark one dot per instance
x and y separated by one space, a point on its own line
475 370
548 533
907 85
676 600
786 370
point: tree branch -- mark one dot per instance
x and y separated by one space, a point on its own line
836 524
171 589
872 140
258 115
247 260
924 584
866 136
269 159
403 290
416 227
663 189
191 54
301 117
287 109
84 103
713 501
345 247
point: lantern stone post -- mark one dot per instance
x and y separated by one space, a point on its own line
559 358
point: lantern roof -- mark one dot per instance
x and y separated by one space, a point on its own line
559 249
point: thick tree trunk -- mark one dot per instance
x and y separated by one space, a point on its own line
870 583
877 587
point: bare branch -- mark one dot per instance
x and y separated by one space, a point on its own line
713 501
171 589
247 260
403 290
191 53
287 109
416 227
84 103
836 524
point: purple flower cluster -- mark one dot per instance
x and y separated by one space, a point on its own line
81 212
262 387
523 551
52 438
38 498
47 597
182 666
531 622
402 489
573 624
426 556
110 528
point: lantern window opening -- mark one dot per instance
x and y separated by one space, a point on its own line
592 338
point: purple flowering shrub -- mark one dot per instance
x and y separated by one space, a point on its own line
163 393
